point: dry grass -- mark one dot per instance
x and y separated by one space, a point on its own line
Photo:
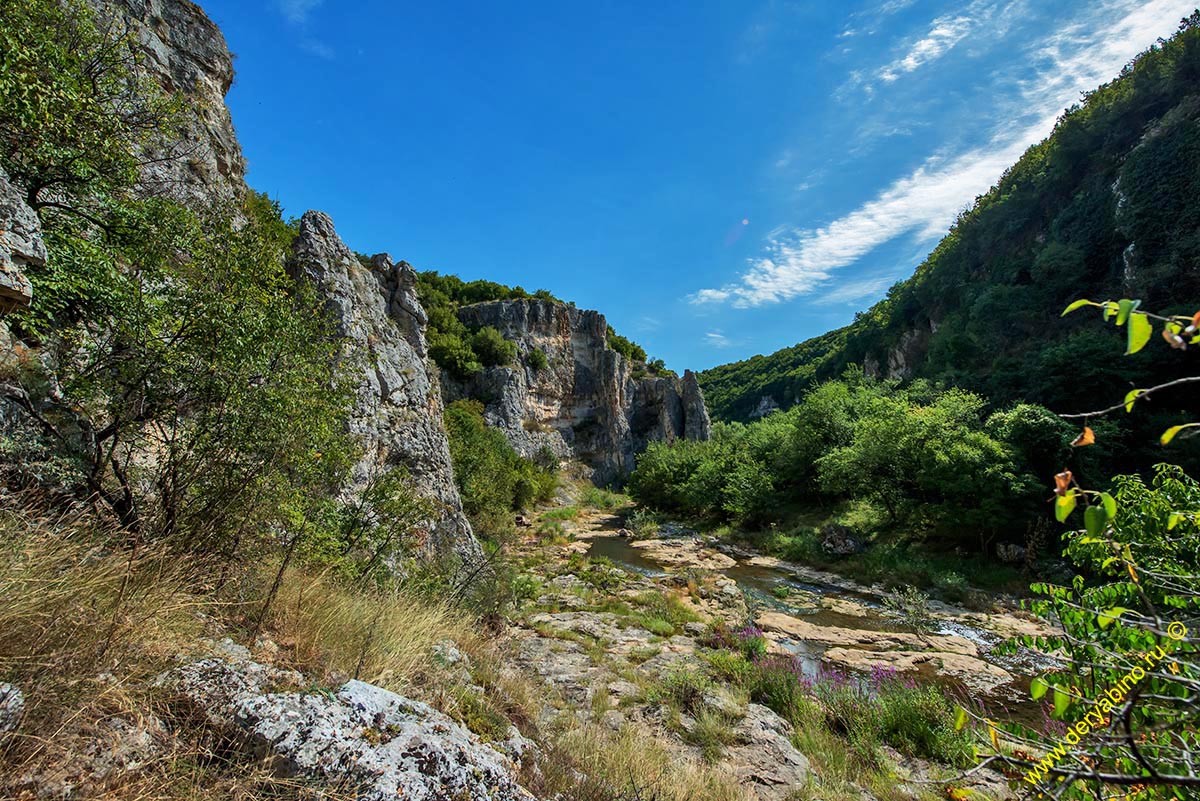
631 765
385 638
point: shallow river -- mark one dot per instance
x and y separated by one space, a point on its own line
761 584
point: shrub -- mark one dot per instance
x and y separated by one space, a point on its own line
911 606
492 348
729 667
642 523
538 360
685 688
492 479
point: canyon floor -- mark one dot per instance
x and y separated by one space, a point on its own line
615 620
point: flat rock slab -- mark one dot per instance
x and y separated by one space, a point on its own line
799 629
683 553
971 671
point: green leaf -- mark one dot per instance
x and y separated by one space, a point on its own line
1061 702
1107 618
1094 520
1130 397
1124 308
1110 505
1038 688
1140 331
1173 520
1064 505
960 719
1079 304
1170 433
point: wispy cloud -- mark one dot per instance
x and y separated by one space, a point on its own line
297 11
924 203
944 33
317 48
716 339
853 291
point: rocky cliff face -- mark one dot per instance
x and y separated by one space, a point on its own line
185 52
585 404
21 246
398 412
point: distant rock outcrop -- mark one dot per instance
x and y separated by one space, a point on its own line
21 246
585 403
398 413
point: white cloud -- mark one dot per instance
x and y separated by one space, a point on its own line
717 339
318 49
944 34
856 290
297 11
1077 58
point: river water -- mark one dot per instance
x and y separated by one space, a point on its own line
761 585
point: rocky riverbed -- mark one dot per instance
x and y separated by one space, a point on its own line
615 618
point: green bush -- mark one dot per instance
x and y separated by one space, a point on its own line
492 479
492 348
538 360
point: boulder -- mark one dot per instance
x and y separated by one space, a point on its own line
838 540
763 758
363 736
12 708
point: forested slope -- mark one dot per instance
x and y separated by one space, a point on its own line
1106 207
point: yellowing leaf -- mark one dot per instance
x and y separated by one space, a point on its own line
1107 618
1079 304
1130 397
1170 433
1061 702
960 719
1124 308
1063 506
1173 520
995 737
1140 331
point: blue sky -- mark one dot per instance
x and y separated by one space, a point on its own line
719 178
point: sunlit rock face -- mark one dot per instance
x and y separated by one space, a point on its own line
586 404
398 408
183 51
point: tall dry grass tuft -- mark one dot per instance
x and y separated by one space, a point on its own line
382 637
86 622
629 765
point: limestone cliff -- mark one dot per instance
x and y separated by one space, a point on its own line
185 52
398 410
21 246
586 403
